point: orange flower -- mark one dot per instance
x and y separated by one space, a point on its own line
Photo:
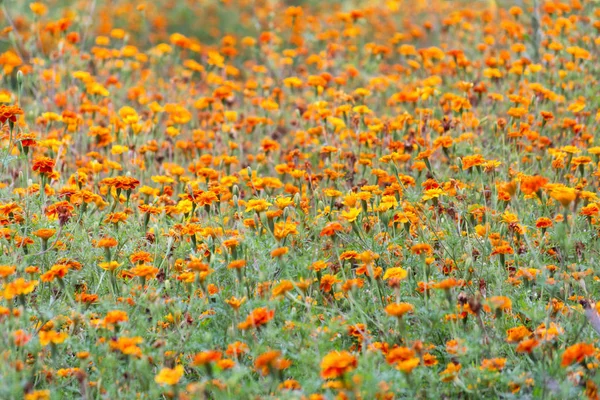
543 223
503 249
270 360
169 376
257 205
235 303
127 345
206 357
144 271
577 353
399 309
115 317
517 334
56 271
500 303
532 184
7 270
527 345
327 281
18 287
9 113
44 234
47 337
236 349
21 338
399 354
469 162
280 251
282 288
107 242
451 372
564 195
257 318
237 264
337 363
44 165
494 364
395 273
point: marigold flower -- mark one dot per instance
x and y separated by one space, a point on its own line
258 205
43 165
527 345
517 334
494 364
7 270
577 353
395 273
237 264
44 234
270 360
399 309
51 336
337 363
169 376
331 228
257 318
564 195
237 348
107 242
451 372
10 113
127 345
18 287
144 271
351 215
206 357
280 251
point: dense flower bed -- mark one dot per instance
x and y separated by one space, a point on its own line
251 199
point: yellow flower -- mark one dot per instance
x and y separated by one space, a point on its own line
395 273
184 206
38 8
433 194
351 215
257 205
47 337
283 202
169 376
408 365
564 195
109 266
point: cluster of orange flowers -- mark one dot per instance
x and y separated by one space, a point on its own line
244 199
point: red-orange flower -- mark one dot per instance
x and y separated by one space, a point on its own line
43 165
257 318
